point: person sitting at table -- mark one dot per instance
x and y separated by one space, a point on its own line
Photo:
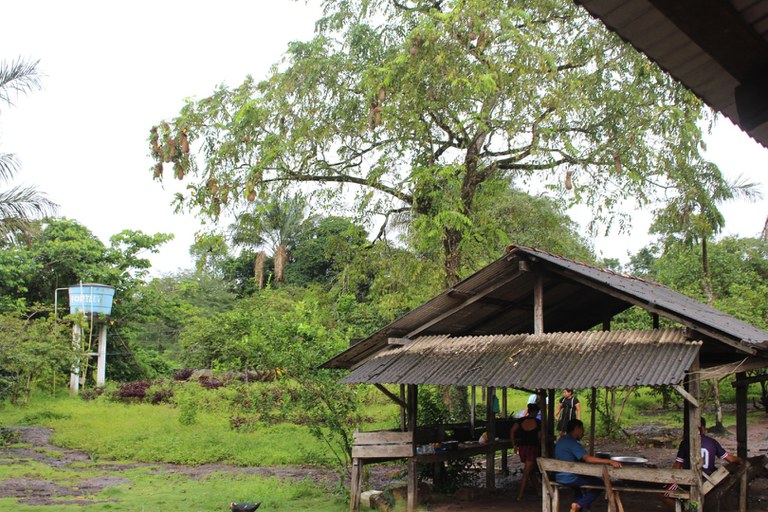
710 451
569 448
526 440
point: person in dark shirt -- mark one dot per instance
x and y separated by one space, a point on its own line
568 408
526 440
710 451
569 448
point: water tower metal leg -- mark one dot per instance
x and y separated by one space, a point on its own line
74 376
101 364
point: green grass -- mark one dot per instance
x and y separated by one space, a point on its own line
110 431
152 433
152 490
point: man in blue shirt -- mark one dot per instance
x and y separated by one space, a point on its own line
569 448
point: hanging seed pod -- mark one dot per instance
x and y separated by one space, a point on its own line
252 196
376 116
184 142
179 170
213 187
153 140
171 150
158 169
617 162
382 94
568 182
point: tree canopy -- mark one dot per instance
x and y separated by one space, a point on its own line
420 107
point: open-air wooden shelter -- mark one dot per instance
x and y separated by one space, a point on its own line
538 322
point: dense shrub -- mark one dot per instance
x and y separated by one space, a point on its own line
211 383
161 392
132 391
183 374
91 394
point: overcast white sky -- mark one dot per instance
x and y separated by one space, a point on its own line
113 70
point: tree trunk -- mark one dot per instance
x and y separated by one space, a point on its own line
707 277
452 254
258 269
719 428
281 258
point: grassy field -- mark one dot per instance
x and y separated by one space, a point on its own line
126 433
110 432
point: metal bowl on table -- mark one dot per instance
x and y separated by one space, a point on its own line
630 460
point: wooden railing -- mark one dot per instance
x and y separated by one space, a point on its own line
630 479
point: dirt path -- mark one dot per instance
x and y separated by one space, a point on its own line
34 444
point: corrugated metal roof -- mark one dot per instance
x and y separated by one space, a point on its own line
660 297
546 361
716 48
498 299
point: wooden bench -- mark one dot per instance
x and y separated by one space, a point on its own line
630 480
378 446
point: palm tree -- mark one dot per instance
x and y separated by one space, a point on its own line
19 205
274 222
694 217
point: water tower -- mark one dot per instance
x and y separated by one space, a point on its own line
95 302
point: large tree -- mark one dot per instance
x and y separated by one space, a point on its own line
19 205
416 106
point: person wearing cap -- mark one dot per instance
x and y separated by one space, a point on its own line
710 451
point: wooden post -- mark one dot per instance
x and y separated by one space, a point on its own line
413 396
472 404
742 448
413 476
504 415
403 426
741 415
490 456
743 490
538 304
545 418
694 415
593 408
592 420
504 412
552 422
354 485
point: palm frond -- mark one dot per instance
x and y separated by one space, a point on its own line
8 166
18 77
19 207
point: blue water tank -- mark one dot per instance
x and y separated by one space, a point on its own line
91 298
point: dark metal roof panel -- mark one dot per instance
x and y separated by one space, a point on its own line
711 47
553 360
